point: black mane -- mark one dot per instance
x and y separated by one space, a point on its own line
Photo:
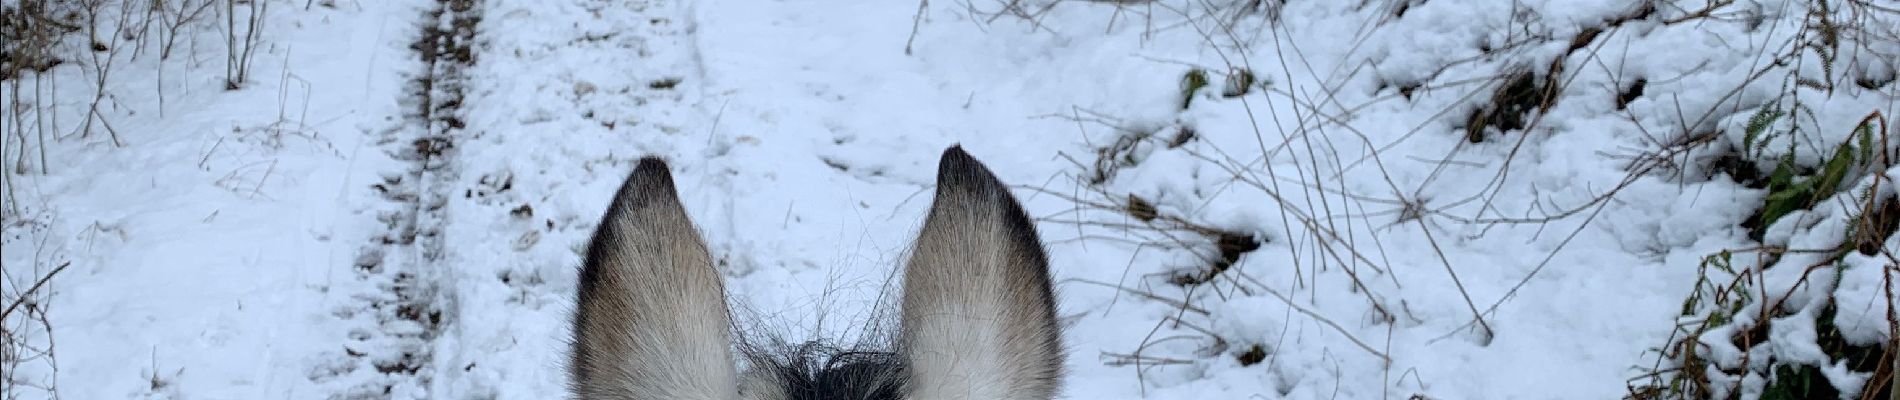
814 371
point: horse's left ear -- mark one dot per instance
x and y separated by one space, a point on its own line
979 314
652 320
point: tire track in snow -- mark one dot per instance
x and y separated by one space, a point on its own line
567 96
403 306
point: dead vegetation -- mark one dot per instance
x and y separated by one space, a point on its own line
70 72
29 360
1734 303
1503 111
50 48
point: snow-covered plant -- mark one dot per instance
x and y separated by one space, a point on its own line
1801 315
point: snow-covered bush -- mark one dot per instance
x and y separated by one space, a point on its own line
1412 176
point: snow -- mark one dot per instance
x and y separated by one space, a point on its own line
285 240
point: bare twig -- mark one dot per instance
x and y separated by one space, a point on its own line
25 297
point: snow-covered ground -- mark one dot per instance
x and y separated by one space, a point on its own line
395 203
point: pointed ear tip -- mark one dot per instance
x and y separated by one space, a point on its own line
960 168
651 169
955 155
650 179
650 164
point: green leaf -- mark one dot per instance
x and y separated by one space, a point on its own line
1835 171
1191 83
1783 176
1786 195
1757 125
1865 132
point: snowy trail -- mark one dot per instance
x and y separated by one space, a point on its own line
564 97
404 303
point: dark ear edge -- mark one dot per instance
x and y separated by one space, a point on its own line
979 308
650 319
649 185
961 176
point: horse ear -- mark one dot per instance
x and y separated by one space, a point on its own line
652 320
979 316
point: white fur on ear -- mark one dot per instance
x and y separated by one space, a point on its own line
979 316
652 320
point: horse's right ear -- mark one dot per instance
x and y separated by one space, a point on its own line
652 320
979 316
